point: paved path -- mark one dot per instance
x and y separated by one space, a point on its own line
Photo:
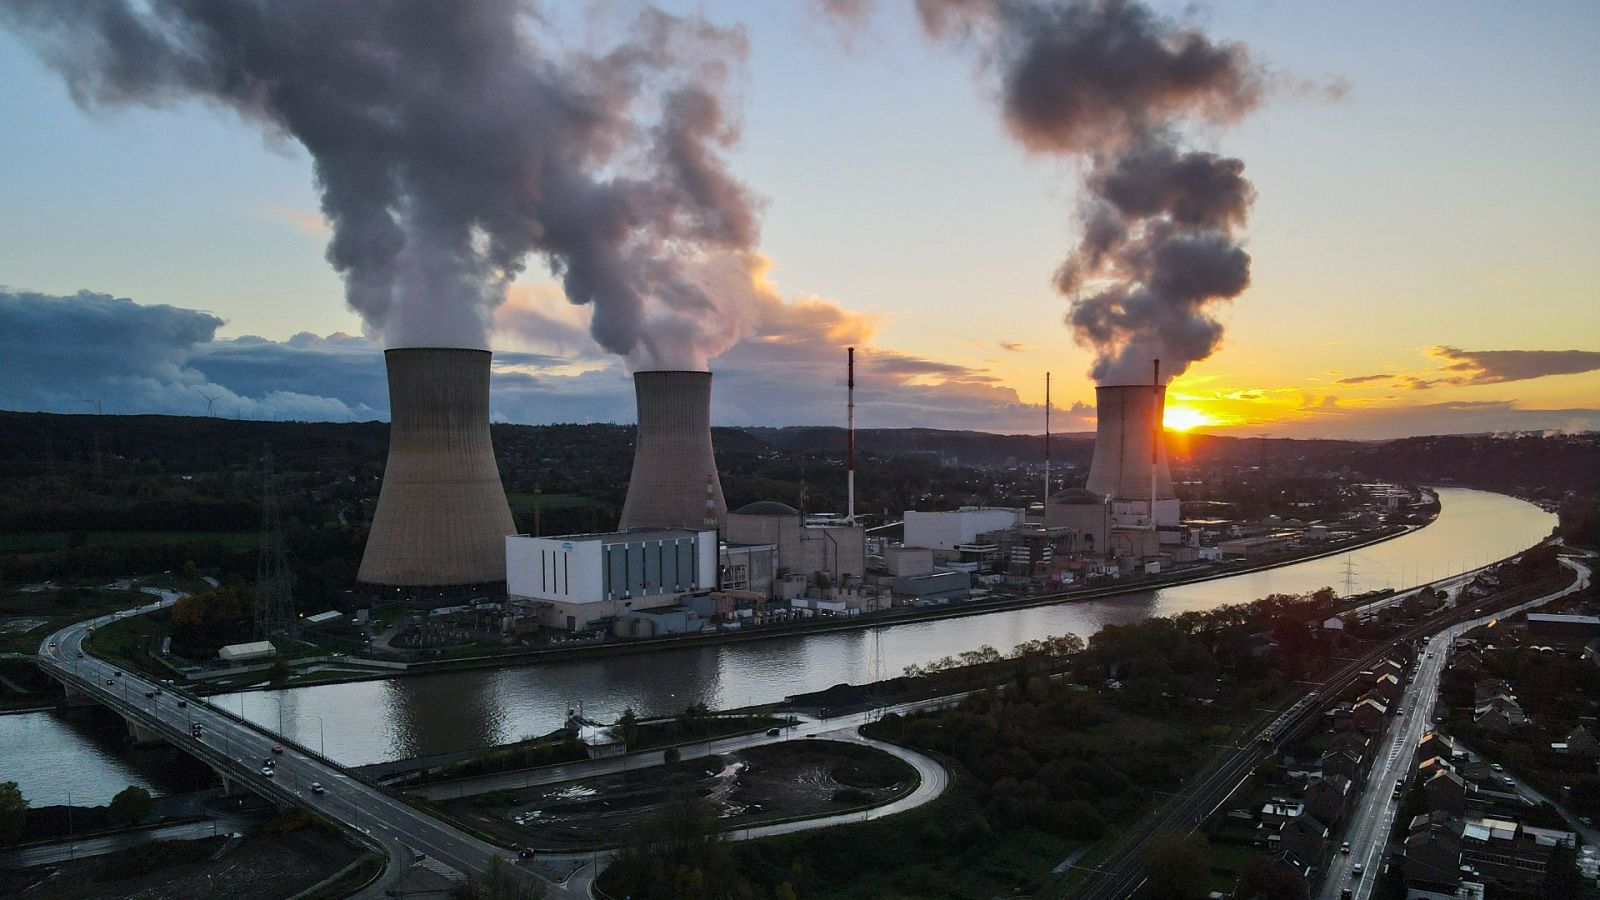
807 727
82 848
1368 832
408 836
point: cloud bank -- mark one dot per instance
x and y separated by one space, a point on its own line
64 354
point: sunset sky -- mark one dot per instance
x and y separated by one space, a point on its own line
1425 251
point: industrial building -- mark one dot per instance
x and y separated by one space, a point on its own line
442 516
674 483
582 581
949 531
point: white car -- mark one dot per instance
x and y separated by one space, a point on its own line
316 787
267 771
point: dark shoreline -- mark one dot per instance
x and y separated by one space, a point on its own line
828 626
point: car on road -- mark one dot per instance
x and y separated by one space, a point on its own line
182 704
267 771
1508 781
150 695
80 654
1356 870
117 673
525 853
1345 848
316 787
268 763
109 682
1346 894
772 732
1497 767
277 748
52 645
1585 821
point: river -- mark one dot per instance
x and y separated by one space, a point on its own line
375 721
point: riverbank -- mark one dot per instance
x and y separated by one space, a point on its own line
886 619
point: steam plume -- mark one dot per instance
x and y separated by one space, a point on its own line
450 145
1107 82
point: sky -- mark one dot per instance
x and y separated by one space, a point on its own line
1423 240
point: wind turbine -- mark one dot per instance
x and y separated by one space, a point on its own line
209 400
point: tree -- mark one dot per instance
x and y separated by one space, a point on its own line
1562 881
279 673
1176 865
1262 879
131 806
13 813
671 755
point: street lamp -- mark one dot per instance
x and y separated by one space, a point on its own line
322 744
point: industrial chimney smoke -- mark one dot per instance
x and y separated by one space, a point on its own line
442 516
674 482
1129 458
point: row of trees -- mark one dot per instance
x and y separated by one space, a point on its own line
129 807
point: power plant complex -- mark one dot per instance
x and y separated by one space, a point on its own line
681 561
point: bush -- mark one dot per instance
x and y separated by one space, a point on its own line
131 806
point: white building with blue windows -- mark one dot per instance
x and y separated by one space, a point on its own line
573 581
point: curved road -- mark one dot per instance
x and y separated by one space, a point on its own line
238 749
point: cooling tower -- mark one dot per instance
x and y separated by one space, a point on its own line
1127 427
442 516
674 482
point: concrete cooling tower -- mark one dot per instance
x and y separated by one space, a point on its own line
674 482
1127 432
442 516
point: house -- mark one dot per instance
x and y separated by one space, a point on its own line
1390 667
1447 792
1435 744
1278 811
1328 798
1432 863
1511 853
1353 740
1499 716
1369 715
1486 690
1305 837
1581 743
1346 762
1388 687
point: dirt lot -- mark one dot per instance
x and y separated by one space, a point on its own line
793 779
263 867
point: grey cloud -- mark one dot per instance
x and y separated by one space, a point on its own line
1499 366
450 144
1108 81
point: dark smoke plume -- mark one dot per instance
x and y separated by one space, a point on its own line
450 145
1108 82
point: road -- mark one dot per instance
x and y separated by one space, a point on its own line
1368 832
839 728
83 848
240 749
1123 875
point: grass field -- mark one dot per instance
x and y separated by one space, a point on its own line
48 541
48 605
525 501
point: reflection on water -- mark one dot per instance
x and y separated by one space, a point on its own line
381 720
372 721
84 754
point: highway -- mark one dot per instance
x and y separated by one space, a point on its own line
406 835
1368 832
1123 874
239 749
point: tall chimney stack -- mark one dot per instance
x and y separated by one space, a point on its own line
442 516
850 449
674 482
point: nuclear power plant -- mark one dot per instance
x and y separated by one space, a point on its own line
442 516
674 482
1130 455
